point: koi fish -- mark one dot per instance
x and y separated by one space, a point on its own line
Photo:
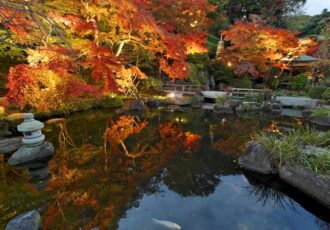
167 224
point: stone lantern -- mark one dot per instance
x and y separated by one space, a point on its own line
31 130
35 151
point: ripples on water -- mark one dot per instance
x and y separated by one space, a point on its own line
120 172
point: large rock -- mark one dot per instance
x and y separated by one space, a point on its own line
120 111
32 156
219 109
137 104
26 221
176 108
323 121
234 104
308 182
153 103
256 158
10 145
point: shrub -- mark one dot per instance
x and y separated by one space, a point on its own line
197 100
222 100
273 83
221 72
326 95
199 60
110 101
240 83
43 90
299 82
317 91
193 78
325 81
150 85
322 112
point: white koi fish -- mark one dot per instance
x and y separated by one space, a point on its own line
167 224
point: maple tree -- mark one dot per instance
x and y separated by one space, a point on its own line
47 82
254 48
27 22
101 38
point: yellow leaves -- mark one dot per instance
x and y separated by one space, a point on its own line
35 57
194 24
136 71
85 198
70 174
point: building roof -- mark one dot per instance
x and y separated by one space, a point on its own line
305 58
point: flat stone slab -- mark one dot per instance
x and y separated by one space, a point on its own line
297 101
292 112
307 182
10 145
181 101
32 157
208 106
214 94
26 221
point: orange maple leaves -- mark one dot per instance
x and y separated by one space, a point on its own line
261 45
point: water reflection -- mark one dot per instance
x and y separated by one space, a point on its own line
64 139
266 192
108 167
99 196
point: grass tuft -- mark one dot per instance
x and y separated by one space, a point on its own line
290 149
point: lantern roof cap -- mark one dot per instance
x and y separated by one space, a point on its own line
29 124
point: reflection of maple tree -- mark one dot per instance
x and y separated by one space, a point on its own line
64 139
168 131
119 132
231 136
77 187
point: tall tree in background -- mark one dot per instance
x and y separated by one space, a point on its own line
272 11
318 25
255 48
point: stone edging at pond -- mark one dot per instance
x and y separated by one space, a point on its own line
25 221
322 121
257 159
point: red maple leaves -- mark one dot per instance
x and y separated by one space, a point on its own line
255 47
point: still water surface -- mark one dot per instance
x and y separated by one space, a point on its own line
179 167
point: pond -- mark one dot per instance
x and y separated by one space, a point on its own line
130 171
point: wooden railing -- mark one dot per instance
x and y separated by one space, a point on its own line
240 92
183 88
193 89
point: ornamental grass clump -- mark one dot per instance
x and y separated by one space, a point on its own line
302 148
322 112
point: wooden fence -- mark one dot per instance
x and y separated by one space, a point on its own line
183 88
194 89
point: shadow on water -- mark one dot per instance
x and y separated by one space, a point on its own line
108 166
273 190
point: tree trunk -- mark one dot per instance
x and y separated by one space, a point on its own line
120 48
